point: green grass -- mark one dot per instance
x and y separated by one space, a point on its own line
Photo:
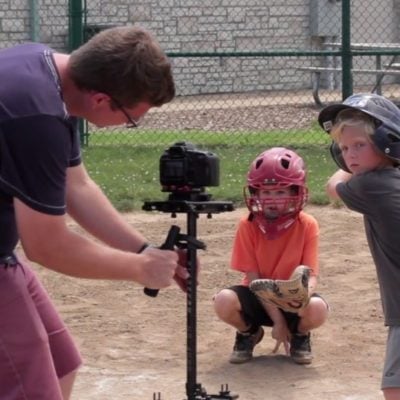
127 166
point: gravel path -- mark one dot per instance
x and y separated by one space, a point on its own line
236 119
235 112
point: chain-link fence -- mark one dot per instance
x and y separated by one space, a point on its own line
252 68
234 60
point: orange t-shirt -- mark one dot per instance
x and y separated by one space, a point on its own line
276 259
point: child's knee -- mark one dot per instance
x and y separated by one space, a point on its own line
316 312
224 301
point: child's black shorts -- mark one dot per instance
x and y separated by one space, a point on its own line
254 313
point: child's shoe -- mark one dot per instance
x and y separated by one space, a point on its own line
300 349
244 345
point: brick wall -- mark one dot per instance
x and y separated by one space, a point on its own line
206 26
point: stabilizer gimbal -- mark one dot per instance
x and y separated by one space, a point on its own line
192 207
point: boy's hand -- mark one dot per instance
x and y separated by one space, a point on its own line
281 334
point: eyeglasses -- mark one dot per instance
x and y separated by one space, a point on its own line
131 124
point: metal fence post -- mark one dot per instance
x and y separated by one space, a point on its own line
347 57
75 39
76 14
34 20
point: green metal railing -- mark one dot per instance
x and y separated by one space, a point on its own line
82 26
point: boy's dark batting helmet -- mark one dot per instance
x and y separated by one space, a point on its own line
384 113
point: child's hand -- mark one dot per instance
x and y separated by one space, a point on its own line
281 334
285 344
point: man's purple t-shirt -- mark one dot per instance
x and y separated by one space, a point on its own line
38 139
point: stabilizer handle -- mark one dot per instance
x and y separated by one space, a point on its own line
170 241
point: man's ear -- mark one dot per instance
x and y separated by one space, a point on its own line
99 99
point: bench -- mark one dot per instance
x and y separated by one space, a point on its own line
395 66
317 71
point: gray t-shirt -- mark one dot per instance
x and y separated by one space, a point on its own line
38 139
376 195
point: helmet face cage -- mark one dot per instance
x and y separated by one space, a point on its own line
270 220
276 169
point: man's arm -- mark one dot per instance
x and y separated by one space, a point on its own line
338 177
92 210
47 240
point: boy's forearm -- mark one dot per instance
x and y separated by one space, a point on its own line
339 176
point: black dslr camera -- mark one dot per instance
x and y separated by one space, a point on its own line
185 169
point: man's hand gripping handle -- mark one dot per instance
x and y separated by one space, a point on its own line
170 241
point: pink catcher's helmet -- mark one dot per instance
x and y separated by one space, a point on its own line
275 169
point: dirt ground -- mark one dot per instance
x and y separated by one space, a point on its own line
134 346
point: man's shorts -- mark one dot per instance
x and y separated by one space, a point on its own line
391 369
254 313
35 346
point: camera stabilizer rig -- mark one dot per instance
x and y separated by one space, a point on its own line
184 172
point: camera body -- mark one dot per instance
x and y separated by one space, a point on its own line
184 168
